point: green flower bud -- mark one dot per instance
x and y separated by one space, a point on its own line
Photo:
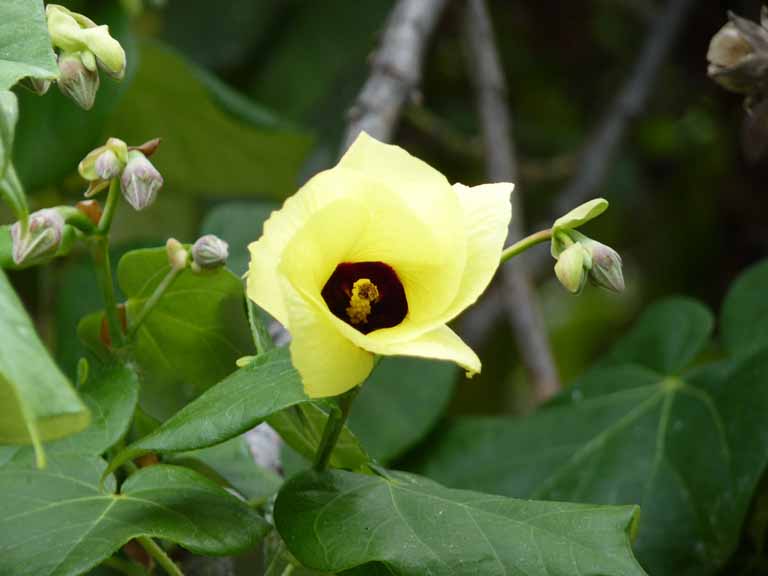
209 252
140 181
104 160
178 257
41 239
76 81
73 32
572 267
37 85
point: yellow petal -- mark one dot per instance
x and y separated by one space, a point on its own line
329 364
487 212
441 343
421 188
263 284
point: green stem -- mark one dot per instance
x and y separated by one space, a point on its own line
152 301
154 550
333 427
104 274
525 243
105 222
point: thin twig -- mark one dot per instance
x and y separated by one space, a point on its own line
519 300
395 69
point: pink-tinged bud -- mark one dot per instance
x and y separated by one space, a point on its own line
107 165
41 239
77 81
209 252
606 266
140 181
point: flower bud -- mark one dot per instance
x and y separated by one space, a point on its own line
738 55
177 254
572 267
38 85
73 32
41 238
606 266
105 162
209 252
76 81
140 181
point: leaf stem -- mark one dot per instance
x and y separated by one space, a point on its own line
124 567
152 301
522 245
154 550
333 427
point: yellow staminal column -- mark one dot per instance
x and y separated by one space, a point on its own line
364 293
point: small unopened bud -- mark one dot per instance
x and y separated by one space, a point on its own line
606 266
140 181
104 163
41 238
37 85
178 257
572 267
76 81
107 166
738 55
209 252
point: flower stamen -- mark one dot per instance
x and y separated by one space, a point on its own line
364 293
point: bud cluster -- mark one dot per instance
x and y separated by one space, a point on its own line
83 48
139 179
579 258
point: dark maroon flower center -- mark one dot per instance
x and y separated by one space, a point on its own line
366 295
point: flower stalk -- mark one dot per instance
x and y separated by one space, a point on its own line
523 244
333 427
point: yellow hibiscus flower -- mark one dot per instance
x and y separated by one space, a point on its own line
373 257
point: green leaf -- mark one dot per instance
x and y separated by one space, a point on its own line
341 520
232 463
25 47
235 405
110 393
190 340
667 337
301 427
745 312
37 402
239 224
626 434
400 403
204 150
58 522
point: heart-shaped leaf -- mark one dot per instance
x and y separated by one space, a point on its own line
340 520
625 434
58 522
190 340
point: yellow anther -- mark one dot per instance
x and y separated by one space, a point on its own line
364 292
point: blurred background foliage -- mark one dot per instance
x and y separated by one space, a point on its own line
250 98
